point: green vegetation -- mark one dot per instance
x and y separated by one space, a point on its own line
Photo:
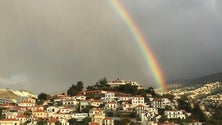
72 121
198 114
1 115
42 97
86 109
42 122
58 123
100 85
216 119
28 113
86 121
169 96
184 105
74 89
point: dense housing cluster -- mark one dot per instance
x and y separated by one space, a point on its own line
100 107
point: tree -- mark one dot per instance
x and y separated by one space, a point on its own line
110 114
79 86
28 113
42 96
185 105
151 91
198 114
58 123
169 96
72 121
75 88
72 90
1 115
103 81
41 122
86 109
124 121
217 116
127 88
102 84
86 121
90 88
133 115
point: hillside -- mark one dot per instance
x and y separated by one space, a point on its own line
211 78
210 92
7 94
14 94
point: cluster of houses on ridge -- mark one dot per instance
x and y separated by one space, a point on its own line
63 107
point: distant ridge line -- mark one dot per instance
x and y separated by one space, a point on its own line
214 77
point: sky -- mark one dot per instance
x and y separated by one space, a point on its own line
48 45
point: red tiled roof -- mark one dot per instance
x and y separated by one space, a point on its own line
12 119
97 109
66 108
108 118
110 92
39 110
195 121
139 106
96 101
94 123
138 96
38 106
111 103
167 123
53 120
21 116
156 99
7 105
92 91
79 94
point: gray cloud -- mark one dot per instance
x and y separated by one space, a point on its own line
57 43
14 79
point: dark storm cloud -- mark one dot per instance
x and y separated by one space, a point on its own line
184 35
56 43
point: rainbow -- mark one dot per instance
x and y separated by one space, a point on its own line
148 54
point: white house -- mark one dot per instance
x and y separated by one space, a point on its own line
80 116
22 118
80 97
27 102
37 107
52 109
96 103
108 121
141 108
97 115
83 104
117 83
111 106
124 98
169 114
7 105
68 102
138 99
40 114
65 110
9 122
160 102
126 106
11 114
109 97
